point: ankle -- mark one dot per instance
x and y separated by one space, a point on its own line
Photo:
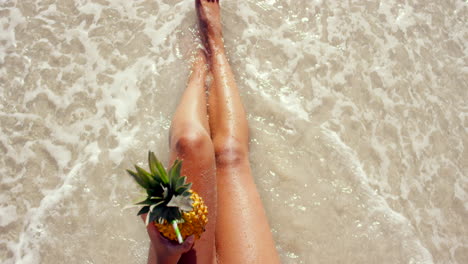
214 33
215 42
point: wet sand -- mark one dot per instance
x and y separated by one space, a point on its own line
357 110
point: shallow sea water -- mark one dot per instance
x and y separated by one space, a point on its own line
357 109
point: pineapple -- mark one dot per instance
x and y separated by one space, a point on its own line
176 210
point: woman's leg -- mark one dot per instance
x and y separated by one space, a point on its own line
242 231
190 141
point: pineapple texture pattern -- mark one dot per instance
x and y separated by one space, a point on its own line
194 221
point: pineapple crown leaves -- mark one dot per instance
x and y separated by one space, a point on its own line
168 194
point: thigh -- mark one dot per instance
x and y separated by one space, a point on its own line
193 146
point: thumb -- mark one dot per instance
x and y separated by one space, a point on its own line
188 244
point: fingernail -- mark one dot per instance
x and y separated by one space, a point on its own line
190 239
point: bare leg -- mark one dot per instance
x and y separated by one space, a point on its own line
242 231
190 141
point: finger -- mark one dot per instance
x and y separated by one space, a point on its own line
187 245
143 217
157 237
151 229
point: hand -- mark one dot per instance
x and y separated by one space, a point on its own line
166 251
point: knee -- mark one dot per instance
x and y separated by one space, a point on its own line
191 141
230 153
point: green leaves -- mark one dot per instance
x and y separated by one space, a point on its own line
161 213
181 181
147 176
147 202
151 201
176 181
148 180
157 168
168 193
152 160
165 192
174 173
143 178
184 188
182 202
144 210
142 182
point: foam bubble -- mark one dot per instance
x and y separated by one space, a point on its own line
7 215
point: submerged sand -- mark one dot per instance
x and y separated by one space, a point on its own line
357 110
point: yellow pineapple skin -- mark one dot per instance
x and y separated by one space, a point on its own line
194 221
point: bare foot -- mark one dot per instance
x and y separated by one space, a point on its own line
209 17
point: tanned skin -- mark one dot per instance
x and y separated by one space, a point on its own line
213 142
